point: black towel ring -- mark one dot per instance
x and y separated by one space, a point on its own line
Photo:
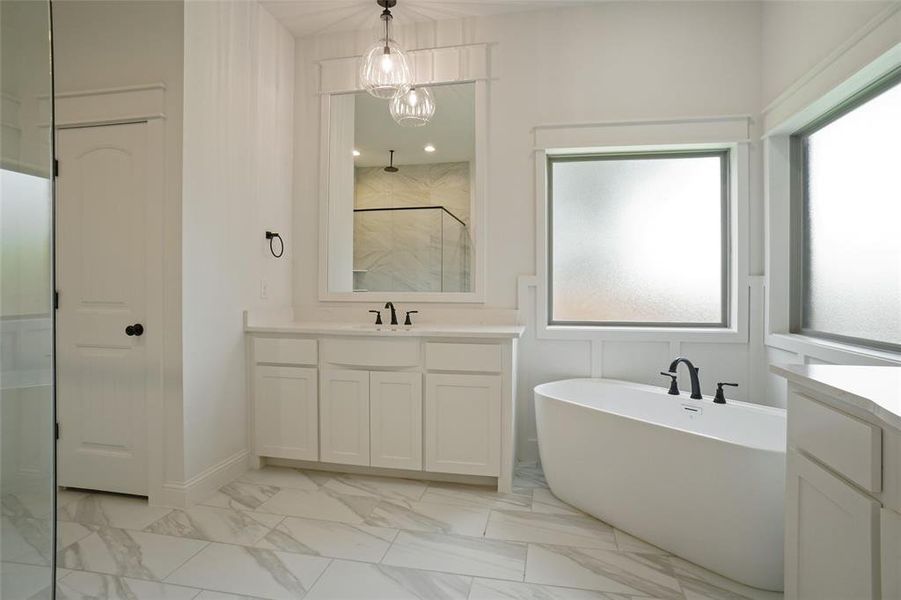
271 235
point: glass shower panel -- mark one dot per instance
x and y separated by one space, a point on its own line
410 249
27 491
454 254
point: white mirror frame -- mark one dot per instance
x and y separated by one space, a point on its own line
434 66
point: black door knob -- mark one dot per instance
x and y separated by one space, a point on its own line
137 330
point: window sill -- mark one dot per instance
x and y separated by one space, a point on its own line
832 351
643 334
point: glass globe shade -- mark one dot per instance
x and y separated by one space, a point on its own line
385 70
413 108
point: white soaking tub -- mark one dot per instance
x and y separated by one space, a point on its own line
704 481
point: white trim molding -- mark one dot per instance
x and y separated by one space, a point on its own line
430 66
652 133
876 41
725 132
110 105
439 66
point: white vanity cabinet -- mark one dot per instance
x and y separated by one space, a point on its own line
395 410
463 414
409 402
832 535
286 404
843 489
344 417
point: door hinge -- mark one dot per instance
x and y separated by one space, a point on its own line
56 299
56 429
56 167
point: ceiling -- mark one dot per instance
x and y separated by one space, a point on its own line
311 17
452 130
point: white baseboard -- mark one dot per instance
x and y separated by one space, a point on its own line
202 485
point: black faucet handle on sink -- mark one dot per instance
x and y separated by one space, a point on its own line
408 321
378 316
673 384
720 397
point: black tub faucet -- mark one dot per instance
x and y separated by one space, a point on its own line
393 312
692 373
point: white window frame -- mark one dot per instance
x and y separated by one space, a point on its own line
723 156
833 84
799 199
730 133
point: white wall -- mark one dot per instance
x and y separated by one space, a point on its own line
237 184
797 35
606 62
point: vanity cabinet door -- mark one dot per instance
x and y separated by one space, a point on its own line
286 420
396 419
463 424
831 536
891 554
344 417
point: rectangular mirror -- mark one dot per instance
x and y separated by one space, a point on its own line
401 200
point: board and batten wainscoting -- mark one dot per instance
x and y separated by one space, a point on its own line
843 488
427 402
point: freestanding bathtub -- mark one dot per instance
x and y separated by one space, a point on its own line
704 481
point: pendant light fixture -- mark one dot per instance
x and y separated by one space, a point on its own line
385 69
391 168
414 108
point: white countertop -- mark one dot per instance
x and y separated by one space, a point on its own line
360 329
876 390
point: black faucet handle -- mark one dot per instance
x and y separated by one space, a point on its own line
673 384
378 316
407 321
720 397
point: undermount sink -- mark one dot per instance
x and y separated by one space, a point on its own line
382 328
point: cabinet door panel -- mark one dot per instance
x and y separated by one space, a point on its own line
286 421
396 419
891 554
344 417
831 536
463 415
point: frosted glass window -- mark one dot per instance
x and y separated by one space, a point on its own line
850 284
639 239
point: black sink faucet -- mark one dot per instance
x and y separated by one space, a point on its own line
692 373
393 312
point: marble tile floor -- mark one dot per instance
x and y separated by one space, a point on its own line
281 533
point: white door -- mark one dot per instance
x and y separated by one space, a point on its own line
286 413
891 553
395 411
831 536
344 417
100 265
463 424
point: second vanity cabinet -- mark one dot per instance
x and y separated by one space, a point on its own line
843 487
400 402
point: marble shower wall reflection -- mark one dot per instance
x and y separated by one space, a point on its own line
420 249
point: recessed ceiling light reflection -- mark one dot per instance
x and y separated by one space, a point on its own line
429 148
356 153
